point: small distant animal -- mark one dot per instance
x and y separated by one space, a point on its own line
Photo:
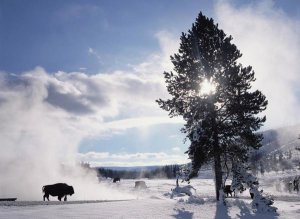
296 183
289 186
227 190
59 189
251 193
117 179
140 185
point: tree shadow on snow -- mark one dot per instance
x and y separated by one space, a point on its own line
246 213
221 211
183 214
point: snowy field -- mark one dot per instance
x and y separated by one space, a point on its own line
157 202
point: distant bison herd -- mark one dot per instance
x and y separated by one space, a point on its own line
290 184
228 191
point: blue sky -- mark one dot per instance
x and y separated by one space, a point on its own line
83 76
58 34
120 32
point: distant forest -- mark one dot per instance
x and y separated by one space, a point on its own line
259 162
168 171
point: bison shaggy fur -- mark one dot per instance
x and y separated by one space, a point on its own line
58 189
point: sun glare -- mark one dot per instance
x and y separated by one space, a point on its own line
207 87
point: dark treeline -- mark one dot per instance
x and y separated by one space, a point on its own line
168 171
275 161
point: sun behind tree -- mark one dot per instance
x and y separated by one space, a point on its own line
211 91
207 87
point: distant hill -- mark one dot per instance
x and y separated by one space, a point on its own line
278 151
281 139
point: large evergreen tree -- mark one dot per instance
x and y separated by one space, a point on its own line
212 92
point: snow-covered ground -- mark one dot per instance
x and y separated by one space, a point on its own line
158 202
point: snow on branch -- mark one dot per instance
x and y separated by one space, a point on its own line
241 178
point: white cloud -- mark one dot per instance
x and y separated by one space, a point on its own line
44 117
176 149
135 159
269 40
93 52
81 105
141 122
82 68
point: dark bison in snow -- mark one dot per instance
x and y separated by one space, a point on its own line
296 183
117 179
227 190
58 189
252 193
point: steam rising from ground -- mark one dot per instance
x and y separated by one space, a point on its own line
37 140
44 117
269 40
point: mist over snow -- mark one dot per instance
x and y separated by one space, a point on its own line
269 40
44 117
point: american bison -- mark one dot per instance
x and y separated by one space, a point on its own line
251 193
296 183
58 189
117 179
140 185
227 190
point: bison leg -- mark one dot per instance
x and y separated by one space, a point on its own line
59 198
65 199
46 196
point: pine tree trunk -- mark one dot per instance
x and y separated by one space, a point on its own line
217 153
218 175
